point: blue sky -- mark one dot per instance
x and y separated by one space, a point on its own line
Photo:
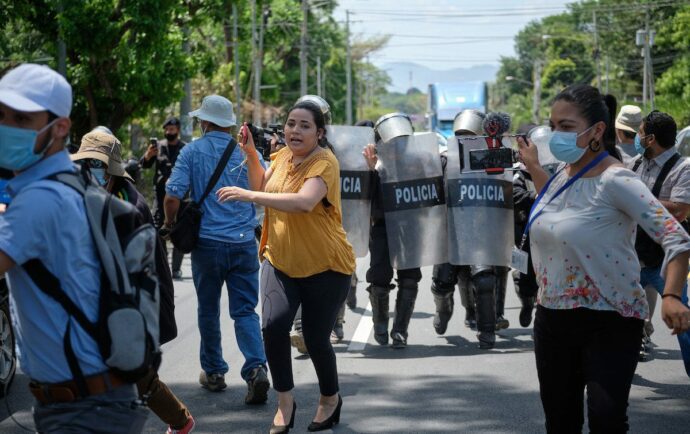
445 34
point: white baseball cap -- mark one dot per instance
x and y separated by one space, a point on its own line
629 118
216 109
34 88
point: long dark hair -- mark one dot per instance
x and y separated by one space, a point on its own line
319 120
594 107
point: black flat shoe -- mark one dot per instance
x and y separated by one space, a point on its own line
284 429
333 419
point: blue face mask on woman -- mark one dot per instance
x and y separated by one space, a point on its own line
563 146
17 147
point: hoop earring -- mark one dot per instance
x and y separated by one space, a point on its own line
591 148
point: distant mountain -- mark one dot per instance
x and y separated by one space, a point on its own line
407 74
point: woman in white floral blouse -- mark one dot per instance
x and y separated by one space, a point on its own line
588 326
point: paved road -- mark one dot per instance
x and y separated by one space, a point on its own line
439 384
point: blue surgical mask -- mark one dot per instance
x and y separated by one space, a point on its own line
99 174
17 147
563 146
638 144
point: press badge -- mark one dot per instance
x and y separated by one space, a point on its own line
519 259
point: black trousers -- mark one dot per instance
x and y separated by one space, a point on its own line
320 296
583 348
380 272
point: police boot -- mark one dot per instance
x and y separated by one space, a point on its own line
337 334
502 281
378 296
404 307
352 293
444 308
485 287
468 302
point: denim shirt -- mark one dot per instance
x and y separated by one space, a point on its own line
229 222
47 220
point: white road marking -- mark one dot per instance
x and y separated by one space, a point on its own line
362 332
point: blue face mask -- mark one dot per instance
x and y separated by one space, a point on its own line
563 146
638 144
17 147
99 174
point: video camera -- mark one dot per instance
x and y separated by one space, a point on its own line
263 136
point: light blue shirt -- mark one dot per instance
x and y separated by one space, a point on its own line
229 222
46 220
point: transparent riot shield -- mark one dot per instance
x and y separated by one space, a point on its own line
413 201
355 182
480 209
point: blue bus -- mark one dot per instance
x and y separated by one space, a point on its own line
445 100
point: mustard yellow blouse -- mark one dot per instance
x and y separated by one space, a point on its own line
304 244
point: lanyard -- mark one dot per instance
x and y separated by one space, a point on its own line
567 185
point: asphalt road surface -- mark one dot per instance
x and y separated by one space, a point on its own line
438 384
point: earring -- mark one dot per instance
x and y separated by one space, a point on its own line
598 145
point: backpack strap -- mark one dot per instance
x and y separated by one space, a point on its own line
664 173
50 285
219 169
637 163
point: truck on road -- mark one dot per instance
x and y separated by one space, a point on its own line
445 100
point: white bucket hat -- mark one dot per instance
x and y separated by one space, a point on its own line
216 109
629 118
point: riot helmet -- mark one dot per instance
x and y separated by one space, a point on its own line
469 123
393 125
321 103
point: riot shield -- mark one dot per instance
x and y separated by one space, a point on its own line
355 182
413 201
480 209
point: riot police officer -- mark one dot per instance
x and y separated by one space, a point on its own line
482 287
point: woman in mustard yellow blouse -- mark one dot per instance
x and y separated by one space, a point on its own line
308 259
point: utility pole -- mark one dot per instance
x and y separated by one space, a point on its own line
186 103
258 66
318 77
536 103
256 89
645 39
608 62
597 57
348 72
236 61
303 50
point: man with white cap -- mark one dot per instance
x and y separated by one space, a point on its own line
627 123
45 220
226 251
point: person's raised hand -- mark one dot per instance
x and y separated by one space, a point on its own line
528 152
246 140
369 153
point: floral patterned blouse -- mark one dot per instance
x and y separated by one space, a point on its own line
583 244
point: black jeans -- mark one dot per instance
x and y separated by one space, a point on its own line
320 296
578 348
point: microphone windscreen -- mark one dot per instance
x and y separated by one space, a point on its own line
496 123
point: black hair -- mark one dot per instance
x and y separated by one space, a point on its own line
52 116
319 120
594 107
365 123
662 126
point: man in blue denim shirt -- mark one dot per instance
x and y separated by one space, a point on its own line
226 251
44 220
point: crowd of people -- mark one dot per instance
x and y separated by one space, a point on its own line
595 215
